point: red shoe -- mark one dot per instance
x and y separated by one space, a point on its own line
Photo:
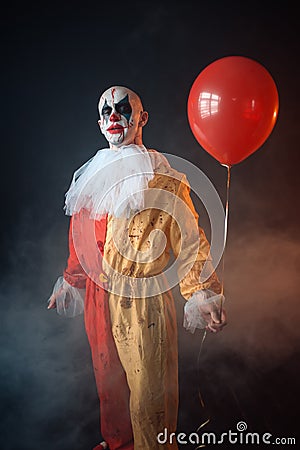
102 446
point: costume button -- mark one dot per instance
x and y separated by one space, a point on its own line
103 278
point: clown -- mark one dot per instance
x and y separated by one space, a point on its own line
129 210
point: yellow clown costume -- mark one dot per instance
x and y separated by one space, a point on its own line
119 271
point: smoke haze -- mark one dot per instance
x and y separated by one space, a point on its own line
58 60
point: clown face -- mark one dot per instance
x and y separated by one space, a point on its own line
121 116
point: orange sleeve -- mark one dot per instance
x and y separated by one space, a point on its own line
198 250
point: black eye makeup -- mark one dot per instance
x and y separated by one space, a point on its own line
123 107
106 110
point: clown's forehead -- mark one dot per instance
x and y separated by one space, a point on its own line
115 94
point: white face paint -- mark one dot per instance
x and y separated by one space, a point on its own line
120 113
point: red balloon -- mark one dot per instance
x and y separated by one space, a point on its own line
232 108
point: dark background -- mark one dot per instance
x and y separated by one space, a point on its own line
57 60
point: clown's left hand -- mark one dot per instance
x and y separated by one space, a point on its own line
205 310
214 318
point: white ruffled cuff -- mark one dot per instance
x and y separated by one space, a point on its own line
69 300
196 311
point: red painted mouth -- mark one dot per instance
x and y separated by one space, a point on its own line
115 129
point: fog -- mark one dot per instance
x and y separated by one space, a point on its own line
58 61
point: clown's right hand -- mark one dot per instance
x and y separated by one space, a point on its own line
54 296
68 300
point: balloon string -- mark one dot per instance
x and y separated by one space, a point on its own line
222 291
207 420
198 367
225 237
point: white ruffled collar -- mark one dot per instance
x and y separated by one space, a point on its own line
113 181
